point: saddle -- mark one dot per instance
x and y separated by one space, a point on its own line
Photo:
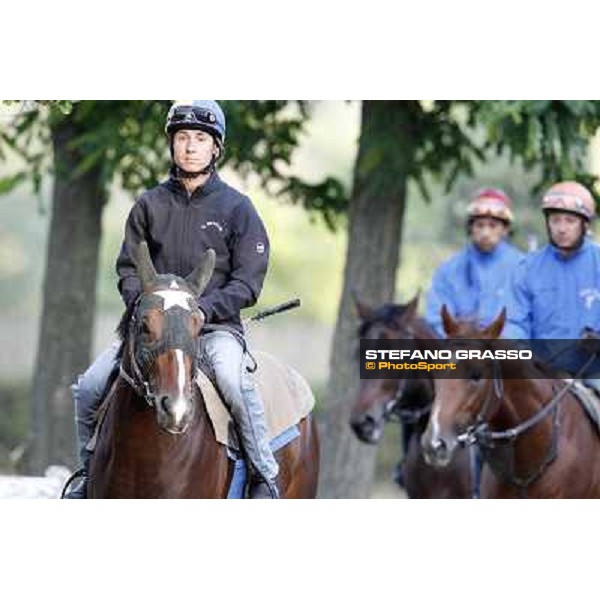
286 396
589 399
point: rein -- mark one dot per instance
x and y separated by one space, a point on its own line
491 441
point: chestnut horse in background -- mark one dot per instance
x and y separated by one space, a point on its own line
156 440
535 437
408 401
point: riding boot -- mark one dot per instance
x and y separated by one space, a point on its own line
262 489
85 426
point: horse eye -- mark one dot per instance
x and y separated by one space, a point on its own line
476 376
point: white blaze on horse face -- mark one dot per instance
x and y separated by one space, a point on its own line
175 297
180 405
435 423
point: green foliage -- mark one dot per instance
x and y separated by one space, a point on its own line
126 140
262 137
425 141
550 134
448 139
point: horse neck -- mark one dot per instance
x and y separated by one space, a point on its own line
421 389
524 395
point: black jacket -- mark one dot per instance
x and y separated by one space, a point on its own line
179 228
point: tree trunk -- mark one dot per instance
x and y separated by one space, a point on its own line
375 215
69 302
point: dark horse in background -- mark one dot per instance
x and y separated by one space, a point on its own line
408 401
157 440
535 437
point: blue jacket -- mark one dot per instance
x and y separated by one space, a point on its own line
472 283
554 298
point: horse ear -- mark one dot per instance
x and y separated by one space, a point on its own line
494 330
364 311
143 263
450 325
411 307
198 279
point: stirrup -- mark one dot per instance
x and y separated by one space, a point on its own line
80 473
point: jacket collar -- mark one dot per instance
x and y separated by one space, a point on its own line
211 184
497 252
585 246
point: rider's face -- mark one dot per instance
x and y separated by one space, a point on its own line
487 233
565 229
193 150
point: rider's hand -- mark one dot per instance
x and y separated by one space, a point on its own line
590 340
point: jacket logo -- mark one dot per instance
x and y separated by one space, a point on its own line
589 296
212 224
260 248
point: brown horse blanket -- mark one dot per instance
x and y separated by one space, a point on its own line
286 396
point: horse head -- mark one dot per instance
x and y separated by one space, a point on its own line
462 404
378 400
160 344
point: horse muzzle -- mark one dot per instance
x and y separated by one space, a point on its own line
174 414
368 429
437 451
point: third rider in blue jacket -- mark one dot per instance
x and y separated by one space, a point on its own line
474 283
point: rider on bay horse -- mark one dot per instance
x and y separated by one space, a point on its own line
474 283
556 290
179 219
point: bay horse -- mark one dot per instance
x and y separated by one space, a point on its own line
534 435
407 401
156 440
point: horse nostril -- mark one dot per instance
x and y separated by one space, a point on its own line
439 445
164 403
367 424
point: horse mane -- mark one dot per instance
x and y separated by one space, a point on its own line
384 314
122 329
388 314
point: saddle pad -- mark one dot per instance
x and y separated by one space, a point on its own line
285 394
589 400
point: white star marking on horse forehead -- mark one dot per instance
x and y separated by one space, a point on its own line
175 297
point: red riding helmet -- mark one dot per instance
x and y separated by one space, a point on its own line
491 202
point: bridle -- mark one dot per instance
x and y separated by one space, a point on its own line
392 411
498 447
140 358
